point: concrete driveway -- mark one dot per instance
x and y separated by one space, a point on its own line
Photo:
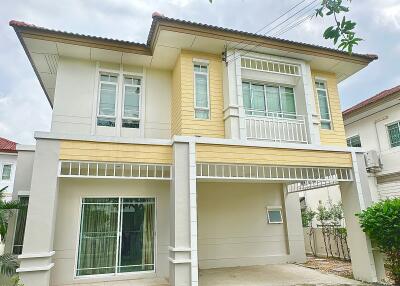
270 275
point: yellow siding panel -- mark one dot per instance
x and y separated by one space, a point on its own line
183 120
115 152
210 153
336 136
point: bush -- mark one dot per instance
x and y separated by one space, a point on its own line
381 222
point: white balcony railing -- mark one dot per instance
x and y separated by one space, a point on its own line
277 127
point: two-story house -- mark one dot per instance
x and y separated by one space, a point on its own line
8 161
183 153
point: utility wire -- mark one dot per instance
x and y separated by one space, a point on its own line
290 25
269 24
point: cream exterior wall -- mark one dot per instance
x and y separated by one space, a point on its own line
233 229
76 100
71 191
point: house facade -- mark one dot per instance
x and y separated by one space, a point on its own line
8 161
182 154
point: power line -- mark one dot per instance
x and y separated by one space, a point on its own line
278 18
290 25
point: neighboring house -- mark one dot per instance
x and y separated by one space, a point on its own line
374 126
8 161
181 154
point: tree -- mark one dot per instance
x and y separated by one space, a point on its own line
343 29
381 222
307 216
8 262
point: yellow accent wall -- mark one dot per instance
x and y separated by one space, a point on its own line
210 153
182 107
336 136
115 152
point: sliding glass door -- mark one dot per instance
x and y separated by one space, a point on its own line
117 235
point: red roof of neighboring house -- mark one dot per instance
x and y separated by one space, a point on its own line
372 99
7 146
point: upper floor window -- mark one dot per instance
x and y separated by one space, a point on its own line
394 134
323 103
132 90
354 141
6 172
268 100
201 90
106 114
109 96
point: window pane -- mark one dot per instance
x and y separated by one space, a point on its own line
246 95
107 99
20 227
273 100
325 125
137 239
130 123
201 114
6 172
98 238
323 104
287 97
131 101
201 90
108 122
394 134
354 141
274 216
258 99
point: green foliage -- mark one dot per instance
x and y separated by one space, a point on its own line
307 216
324 215
8 262
381 222
343 29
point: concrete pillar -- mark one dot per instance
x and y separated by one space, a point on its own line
356 196
294 227
22 186
36 257
183 223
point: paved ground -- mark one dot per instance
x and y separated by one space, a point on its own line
271 275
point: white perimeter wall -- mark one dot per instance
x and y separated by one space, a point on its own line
8 159
68 221
232 225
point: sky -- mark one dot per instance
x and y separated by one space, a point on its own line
24 107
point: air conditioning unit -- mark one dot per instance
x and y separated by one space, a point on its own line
372 161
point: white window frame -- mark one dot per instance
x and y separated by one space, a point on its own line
274 208
388 135
138 119
116 96
119 99
265 85
1 171
115 273
202 63
353 136
324 81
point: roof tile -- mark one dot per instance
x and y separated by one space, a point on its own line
7 146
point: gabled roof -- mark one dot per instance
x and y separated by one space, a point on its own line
369 101
7 146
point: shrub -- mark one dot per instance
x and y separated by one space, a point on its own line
381 222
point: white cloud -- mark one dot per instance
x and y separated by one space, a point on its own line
389 17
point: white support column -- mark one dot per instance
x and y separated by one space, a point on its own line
356 196
294 228
183 232
36 258
313 120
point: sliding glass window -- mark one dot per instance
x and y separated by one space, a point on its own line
116 236
323 102
268 100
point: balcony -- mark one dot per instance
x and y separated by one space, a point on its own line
277 127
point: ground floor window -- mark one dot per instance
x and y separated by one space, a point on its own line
116 235
20 226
